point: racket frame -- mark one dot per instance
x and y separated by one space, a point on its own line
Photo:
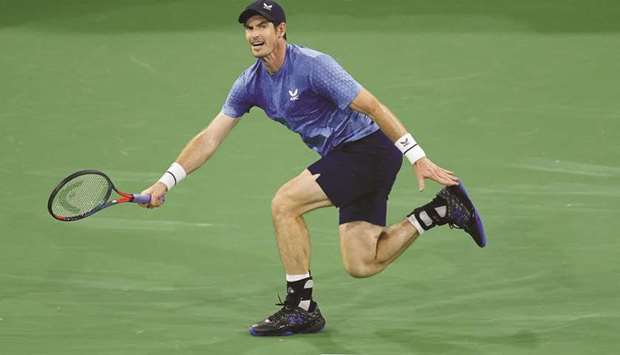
123 196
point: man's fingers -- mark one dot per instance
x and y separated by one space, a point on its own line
444 178
420 183
155 201
435 173
447 171
451 181
447 180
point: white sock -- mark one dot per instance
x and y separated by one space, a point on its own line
415 224
293 278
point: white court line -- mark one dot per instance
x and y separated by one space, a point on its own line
116 175
134 224
424 81
143 64
569 167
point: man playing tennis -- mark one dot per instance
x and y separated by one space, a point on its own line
361 144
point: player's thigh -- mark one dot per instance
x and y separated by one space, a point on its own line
358 242
299 195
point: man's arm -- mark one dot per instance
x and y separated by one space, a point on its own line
391 126
197 151
366 103
205 143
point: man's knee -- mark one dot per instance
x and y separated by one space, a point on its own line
282 204
358 246
357 268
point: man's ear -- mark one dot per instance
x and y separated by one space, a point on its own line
281 29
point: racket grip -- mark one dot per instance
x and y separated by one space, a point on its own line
143 199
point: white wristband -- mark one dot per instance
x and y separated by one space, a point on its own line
410 148
174 175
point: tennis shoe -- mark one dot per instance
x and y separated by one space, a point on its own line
290 320
462 214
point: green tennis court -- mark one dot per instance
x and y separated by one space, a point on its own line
521 99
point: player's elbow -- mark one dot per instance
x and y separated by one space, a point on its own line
374 108
367 103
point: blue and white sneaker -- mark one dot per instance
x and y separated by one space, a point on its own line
462 214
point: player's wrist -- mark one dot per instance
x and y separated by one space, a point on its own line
421 161
173 176
161 185
410 148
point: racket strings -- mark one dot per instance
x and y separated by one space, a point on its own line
81 195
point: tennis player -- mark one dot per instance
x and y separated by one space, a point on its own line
361 144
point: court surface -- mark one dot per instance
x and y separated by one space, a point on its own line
521 99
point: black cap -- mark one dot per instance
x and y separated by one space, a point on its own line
269 9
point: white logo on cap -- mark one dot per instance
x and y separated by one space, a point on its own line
267 7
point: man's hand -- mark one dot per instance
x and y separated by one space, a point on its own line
426 169
158 192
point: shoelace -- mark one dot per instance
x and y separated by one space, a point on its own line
458 215
461 214
281 303
282 312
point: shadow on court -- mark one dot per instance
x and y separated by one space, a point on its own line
111 16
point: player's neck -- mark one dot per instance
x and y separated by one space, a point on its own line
274 61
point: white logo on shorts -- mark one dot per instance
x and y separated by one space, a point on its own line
294 95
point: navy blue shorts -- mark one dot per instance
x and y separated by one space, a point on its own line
358 176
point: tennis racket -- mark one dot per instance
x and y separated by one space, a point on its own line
85 193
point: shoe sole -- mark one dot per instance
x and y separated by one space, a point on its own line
477 233
286 333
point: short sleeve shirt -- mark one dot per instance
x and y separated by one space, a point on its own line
310 95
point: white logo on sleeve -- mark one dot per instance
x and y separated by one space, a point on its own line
267 7
294 95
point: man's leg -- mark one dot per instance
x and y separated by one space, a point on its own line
298 196
368 249
300 313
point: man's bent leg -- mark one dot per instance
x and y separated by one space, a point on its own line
298 196
368 249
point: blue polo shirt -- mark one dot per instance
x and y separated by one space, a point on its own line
310 95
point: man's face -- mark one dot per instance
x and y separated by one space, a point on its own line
261 35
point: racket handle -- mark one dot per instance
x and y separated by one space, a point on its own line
143 199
